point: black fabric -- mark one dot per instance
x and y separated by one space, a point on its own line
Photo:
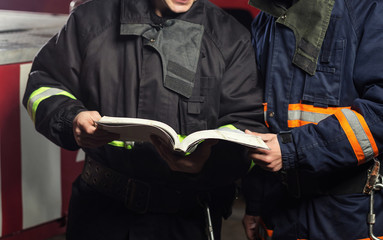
177 211
137 196
347 181
286 137
94 216
283 3
157 20
118 75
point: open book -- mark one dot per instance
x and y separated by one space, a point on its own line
140 130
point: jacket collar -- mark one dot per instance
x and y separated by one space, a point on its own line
309 20
178 40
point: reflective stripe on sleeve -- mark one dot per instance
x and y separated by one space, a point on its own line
358 134
252 164
265 114
41 94
302 114
124 144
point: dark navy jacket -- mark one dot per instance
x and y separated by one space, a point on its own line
329 94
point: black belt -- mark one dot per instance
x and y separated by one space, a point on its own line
349 181
138 196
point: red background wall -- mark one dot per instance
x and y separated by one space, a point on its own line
49 6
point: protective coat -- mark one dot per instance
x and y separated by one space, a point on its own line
324 85
194 72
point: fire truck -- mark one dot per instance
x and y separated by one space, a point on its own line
35 174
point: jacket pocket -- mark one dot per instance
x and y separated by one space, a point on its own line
199 108
323 89
190 115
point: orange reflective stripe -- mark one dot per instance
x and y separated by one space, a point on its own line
264 106
311 108
351 137
301 114
264 114
356 239
369 238
368 133
297 123
269 232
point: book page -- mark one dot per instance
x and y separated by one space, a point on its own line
140 130
225 134
136 129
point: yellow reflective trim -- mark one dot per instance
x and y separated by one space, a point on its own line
117 143
64 93
121 144
181 137
39 91
35 99
252 164
230 126
34 107
34 93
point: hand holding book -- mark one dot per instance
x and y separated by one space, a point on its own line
191 163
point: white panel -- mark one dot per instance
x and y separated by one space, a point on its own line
41 174
80 156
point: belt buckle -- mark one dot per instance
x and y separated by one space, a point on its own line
372 178
137 196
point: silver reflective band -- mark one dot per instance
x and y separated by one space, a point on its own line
360 135
306 116
45 94
41 94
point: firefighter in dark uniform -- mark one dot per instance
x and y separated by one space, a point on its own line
183 62
322 64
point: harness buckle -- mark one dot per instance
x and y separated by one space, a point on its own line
374 183
372 178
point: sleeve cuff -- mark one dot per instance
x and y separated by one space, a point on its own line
289 172
253 207
66 127
287 146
